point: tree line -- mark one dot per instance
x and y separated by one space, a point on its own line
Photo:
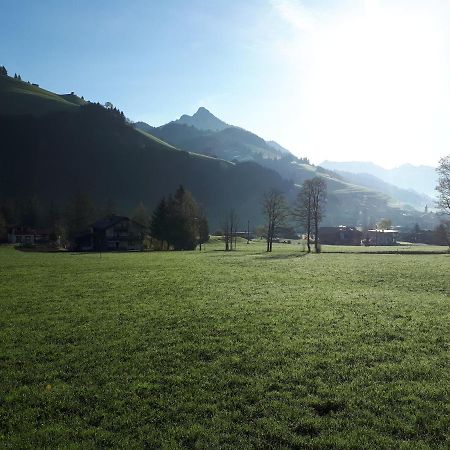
59 219
178 222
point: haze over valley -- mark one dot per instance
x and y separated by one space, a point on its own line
224 224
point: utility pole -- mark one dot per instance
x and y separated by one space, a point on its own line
248 231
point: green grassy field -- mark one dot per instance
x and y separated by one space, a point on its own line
19 97
224 350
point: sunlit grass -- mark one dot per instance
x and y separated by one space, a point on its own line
218 349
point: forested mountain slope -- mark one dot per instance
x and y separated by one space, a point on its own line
94 151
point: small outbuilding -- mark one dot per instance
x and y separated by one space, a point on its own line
382 237
341 235
27 235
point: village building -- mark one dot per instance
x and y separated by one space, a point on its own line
118 233
27 235
381 237
341 235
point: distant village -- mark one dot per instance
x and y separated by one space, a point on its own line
121 233
179 223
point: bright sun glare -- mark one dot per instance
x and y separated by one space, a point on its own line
372 82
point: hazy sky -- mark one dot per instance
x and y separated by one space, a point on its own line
340 80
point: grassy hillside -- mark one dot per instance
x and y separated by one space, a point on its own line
72 98
231 143
422 179
56 153
224 350
94 151
405 196
20 97
349 203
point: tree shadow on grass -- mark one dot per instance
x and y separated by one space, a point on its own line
231 252
290 255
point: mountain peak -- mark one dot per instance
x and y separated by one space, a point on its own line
203 120
202 110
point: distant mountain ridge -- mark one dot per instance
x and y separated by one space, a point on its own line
223 138
143 127
349 202
406 196
231 143
55 145
278 147
203 120
422 179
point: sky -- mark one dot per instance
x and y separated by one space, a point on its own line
342 80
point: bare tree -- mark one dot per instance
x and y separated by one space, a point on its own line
443 186
303 209
226 232
384 224
229 226
443 189
202 229
319 196
234 223
275 209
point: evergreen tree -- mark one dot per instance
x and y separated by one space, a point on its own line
3 71
183 214
79 213
9 210
141 215
109 208
30 212
442 233
178 222
159 222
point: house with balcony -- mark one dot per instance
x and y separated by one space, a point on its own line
111 233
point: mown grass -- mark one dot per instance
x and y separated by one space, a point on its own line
224 350
388 249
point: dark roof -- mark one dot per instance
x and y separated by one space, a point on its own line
108 222
21 230
340 228
383 231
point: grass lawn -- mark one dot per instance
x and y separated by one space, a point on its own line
224 350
